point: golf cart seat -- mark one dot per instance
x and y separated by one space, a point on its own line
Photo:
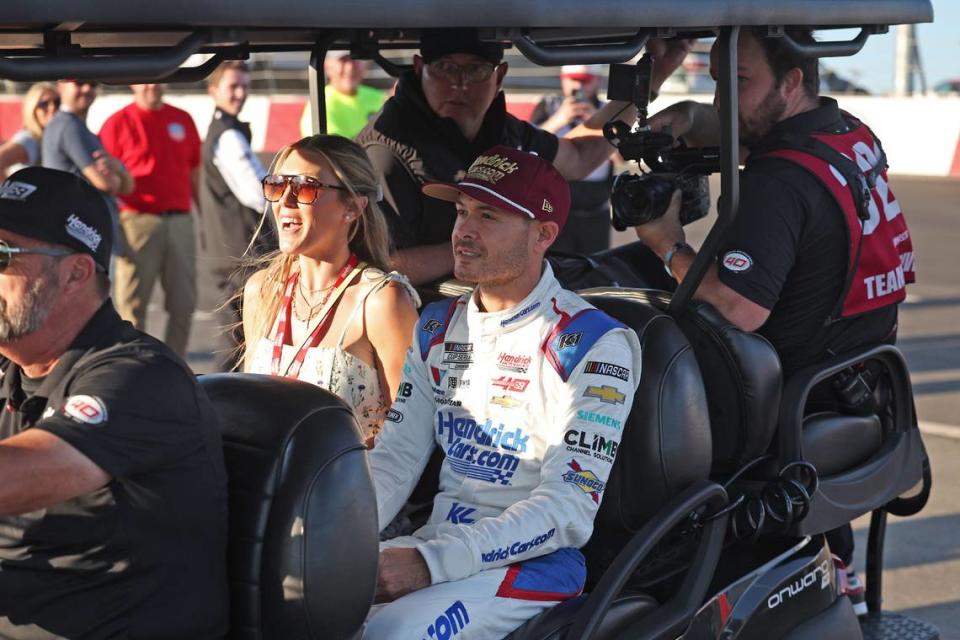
659 476
302 558
863 460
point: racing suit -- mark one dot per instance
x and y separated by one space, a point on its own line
527 405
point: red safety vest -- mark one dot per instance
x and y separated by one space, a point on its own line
881 252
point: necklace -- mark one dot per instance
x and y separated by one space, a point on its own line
311 310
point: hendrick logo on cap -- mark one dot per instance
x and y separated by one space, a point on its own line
14 190
83 232
491 168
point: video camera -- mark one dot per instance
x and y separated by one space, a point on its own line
639 198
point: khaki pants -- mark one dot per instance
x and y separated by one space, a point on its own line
164 246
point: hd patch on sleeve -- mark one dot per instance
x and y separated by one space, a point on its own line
85 409
736 261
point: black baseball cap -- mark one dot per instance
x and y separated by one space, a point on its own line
436 43
60 208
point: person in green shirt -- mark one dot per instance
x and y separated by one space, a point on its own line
350 104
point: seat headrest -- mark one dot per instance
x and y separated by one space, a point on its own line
744 382
303 517
665 445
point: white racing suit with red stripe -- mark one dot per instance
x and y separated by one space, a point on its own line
528 406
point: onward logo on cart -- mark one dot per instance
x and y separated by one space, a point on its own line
818 575
449 623
516 548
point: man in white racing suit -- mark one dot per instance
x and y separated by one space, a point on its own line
525 388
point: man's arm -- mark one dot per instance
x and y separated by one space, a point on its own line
403 208
38 470
425 263
405 444
101 166
584 148
663 233
559 512
240 168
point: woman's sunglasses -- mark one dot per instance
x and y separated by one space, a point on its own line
43 104
7 252
306 189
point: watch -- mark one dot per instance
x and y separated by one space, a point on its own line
672 251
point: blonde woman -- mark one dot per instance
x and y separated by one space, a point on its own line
39 106
324 309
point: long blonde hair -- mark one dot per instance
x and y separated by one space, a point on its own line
29 106
368 239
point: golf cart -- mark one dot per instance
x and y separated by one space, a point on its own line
713 518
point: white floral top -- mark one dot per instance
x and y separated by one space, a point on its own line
337 370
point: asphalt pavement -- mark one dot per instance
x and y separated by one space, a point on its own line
922 570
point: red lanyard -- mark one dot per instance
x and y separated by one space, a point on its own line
283 330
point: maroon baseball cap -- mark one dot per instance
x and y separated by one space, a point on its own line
513 180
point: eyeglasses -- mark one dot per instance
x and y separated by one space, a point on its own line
43 104
306 189
7 252
451 71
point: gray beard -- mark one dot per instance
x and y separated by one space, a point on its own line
31 314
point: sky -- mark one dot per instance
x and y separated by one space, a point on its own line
939 43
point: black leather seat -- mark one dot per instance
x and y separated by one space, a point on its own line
665 451
303 519
863 461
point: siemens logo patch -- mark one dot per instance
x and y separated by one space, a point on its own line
449 623
516 548
599 418
520 314
607 369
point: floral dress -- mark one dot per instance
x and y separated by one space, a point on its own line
337 370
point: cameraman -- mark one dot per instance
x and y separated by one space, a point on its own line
586 230
808 263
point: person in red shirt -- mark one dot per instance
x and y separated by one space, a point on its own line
160 146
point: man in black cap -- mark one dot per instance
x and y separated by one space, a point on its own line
112 484
448 110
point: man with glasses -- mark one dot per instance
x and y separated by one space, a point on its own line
112 484
445 112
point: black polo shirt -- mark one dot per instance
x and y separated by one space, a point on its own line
794 245
144 556
409 145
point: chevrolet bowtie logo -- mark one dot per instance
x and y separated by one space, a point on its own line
547 206
507 402
606 393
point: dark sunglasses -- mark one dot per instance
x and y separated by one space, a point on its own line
43 104
7 252
306 189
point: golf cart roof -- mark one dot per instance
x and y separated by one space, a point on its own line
114 15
